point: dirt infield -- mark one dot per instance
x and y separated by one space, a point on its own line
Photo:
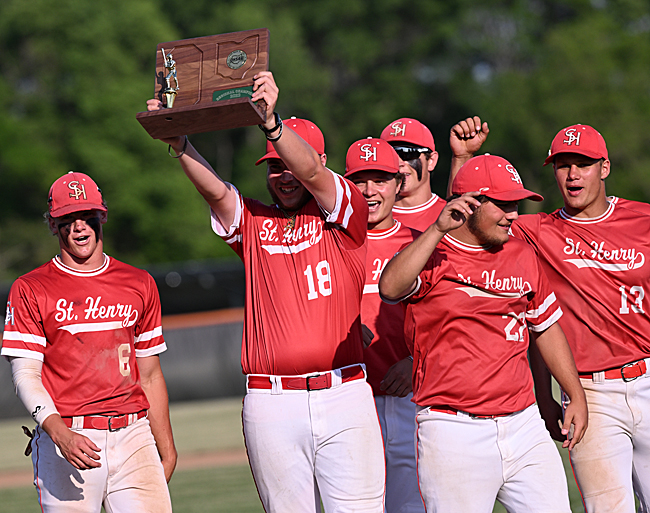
193 461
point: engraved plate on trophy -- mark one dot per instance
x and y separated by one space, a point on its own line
206 84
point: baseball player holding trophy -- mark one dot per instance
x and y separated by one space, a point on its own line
309 419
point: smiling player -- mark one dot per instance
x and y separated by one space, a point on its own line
595 253
472 294
373 166
83 333
310 423
416 206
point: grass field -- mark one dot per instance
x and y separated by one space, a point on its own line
212 473
228 489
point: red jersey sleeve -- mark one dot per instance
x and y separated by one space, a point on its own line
148 332
427 278
543 310
23 331
350 211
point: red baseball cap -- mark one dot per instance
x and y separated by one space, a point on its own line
409 131
305 129
581 139
494 177
371 154
74 192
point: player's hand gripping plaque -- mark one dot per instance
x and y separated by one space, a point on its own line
206 84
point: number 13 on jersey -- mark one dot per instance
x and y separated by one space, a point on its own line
637 294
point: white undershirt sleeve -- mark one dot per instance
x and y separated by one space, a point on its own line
26 373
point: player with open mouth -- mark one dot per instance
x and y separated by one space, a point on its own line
595 251
374 167
83 333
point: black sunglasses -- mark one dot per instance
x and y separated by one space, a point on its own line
409 152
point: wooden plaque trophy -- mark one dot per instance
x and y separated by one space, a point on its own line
206 84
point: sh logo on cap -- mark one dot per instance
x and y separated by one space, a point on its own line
79 190
573 136
399 129
515 175
368 152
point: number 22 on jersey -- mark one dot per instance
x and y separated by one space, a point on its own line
512 333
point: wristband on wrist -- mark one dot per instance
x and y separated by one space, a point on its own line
269 131
273 139
169 150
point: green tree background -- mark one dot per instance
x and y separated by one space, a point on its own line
74 73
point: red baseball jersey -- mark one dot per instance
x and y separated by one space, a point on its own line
422 216
468 320
87 328
599 270
639 206
384 320
303 283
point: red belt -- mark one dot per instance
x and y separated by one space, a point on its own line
113 423
629 372
454 411
315 382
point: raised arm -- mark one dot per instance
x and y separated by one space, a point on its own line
300 158
220 195
153 384
465 139
557 356
399 277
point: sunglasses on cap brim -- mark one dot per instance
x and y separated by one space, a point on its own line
409 152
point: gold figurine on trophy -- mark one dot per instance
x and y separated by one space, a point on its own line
170 65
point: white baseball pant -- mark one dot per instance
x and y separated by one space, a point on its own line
397 421
465 463
612 461
304 446
130 479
